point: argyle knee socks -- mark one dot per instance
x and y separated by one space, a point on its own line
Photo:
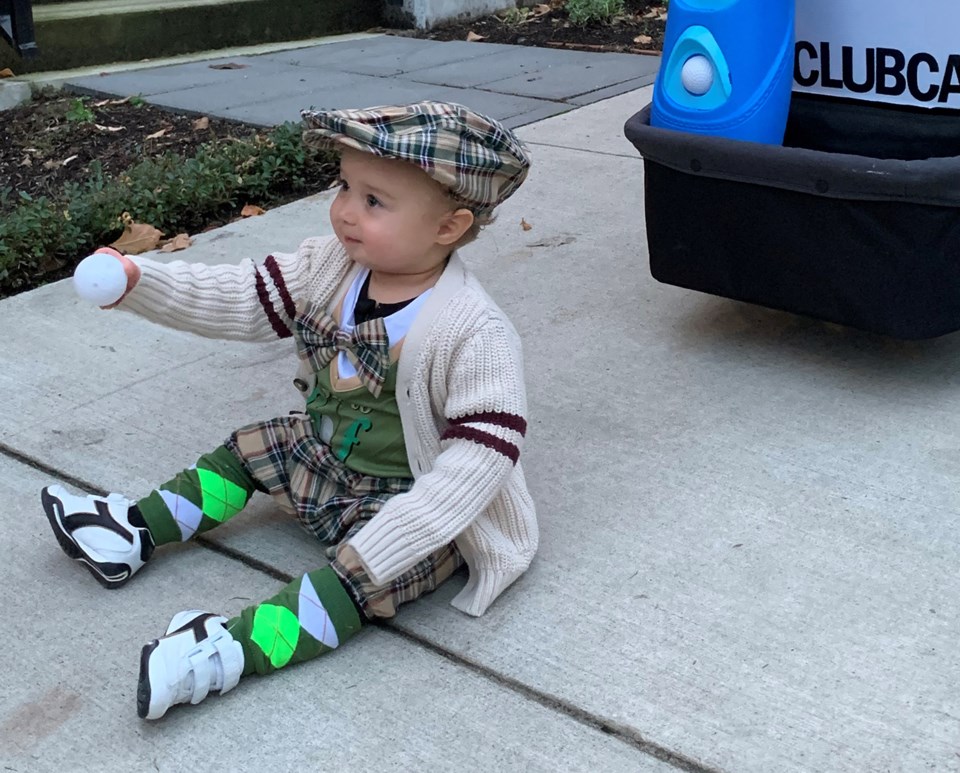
312 615
196 500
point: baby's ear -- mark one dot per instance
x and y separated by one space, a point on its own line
454 225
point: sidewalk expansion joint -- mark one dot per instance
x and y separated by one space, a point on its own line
244 558
565 100
626 154
622 733
53 472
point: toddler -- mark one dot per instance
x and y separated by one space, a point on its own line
404 456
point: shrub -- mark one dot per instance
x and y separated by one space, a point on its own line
79 112
513 17
582 12
168 192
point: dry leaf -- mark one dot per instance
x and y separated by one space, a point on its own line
536 12
525 225
653 13
109 128
473 37
227 66
6 72
201 123
51 164
643 39
177 243
251 210
27 161
156 135
137 238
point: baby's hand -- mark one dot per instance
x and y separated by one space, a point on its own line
131 269
99 280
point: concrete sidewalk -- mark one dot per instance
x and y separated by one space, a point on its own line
515 84
749 552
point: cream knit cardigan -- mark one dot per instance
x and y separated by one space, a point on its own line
460 392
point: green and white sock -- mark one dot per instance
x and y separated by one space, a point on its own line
196 500
310 616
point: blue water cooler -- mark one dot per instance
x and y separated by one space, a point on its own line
727 69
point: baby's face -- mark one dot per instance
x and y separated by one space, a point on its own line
388 214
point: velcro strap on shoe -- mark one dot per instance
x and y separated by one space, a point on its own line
231 659
203 673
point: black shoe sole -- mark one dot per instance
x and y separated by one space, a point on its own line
143 685
54 512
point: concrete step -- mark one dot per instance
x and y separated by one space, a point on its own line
91 32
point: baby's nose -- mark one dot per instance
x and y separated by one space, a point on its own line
343 214
348 214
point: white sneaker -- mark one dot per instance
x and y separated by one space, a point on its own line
196 655
99 532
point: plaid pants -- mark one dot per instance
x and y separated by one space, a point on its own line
288 461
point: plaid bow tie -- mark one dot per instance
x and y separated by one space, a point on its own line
319 340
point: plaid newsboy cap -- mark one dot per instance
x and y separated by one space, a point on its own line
478 160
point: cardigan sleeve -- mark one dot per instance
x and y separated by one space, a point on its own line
485 411
247 301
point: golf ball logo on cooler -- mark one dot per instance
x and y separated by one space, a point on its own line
100 279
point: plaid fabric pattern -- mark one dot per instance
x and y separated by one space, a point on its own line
382 602
476 158
319 338
295 467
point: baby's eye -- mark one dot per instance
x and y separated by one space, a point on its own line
372 201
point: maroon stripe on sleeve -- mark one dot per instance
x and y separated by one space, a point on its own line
508 420
276 323
509 450
277 276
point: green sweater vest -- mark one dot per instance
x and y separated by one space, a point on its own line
363 431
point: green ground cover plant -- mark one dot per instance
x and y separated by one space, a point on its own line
43 237
583 12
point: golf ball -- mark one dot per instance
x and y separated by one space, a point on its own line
696 75
100 279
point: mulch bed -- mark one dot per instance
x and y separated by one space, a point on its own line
43 148
638 31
